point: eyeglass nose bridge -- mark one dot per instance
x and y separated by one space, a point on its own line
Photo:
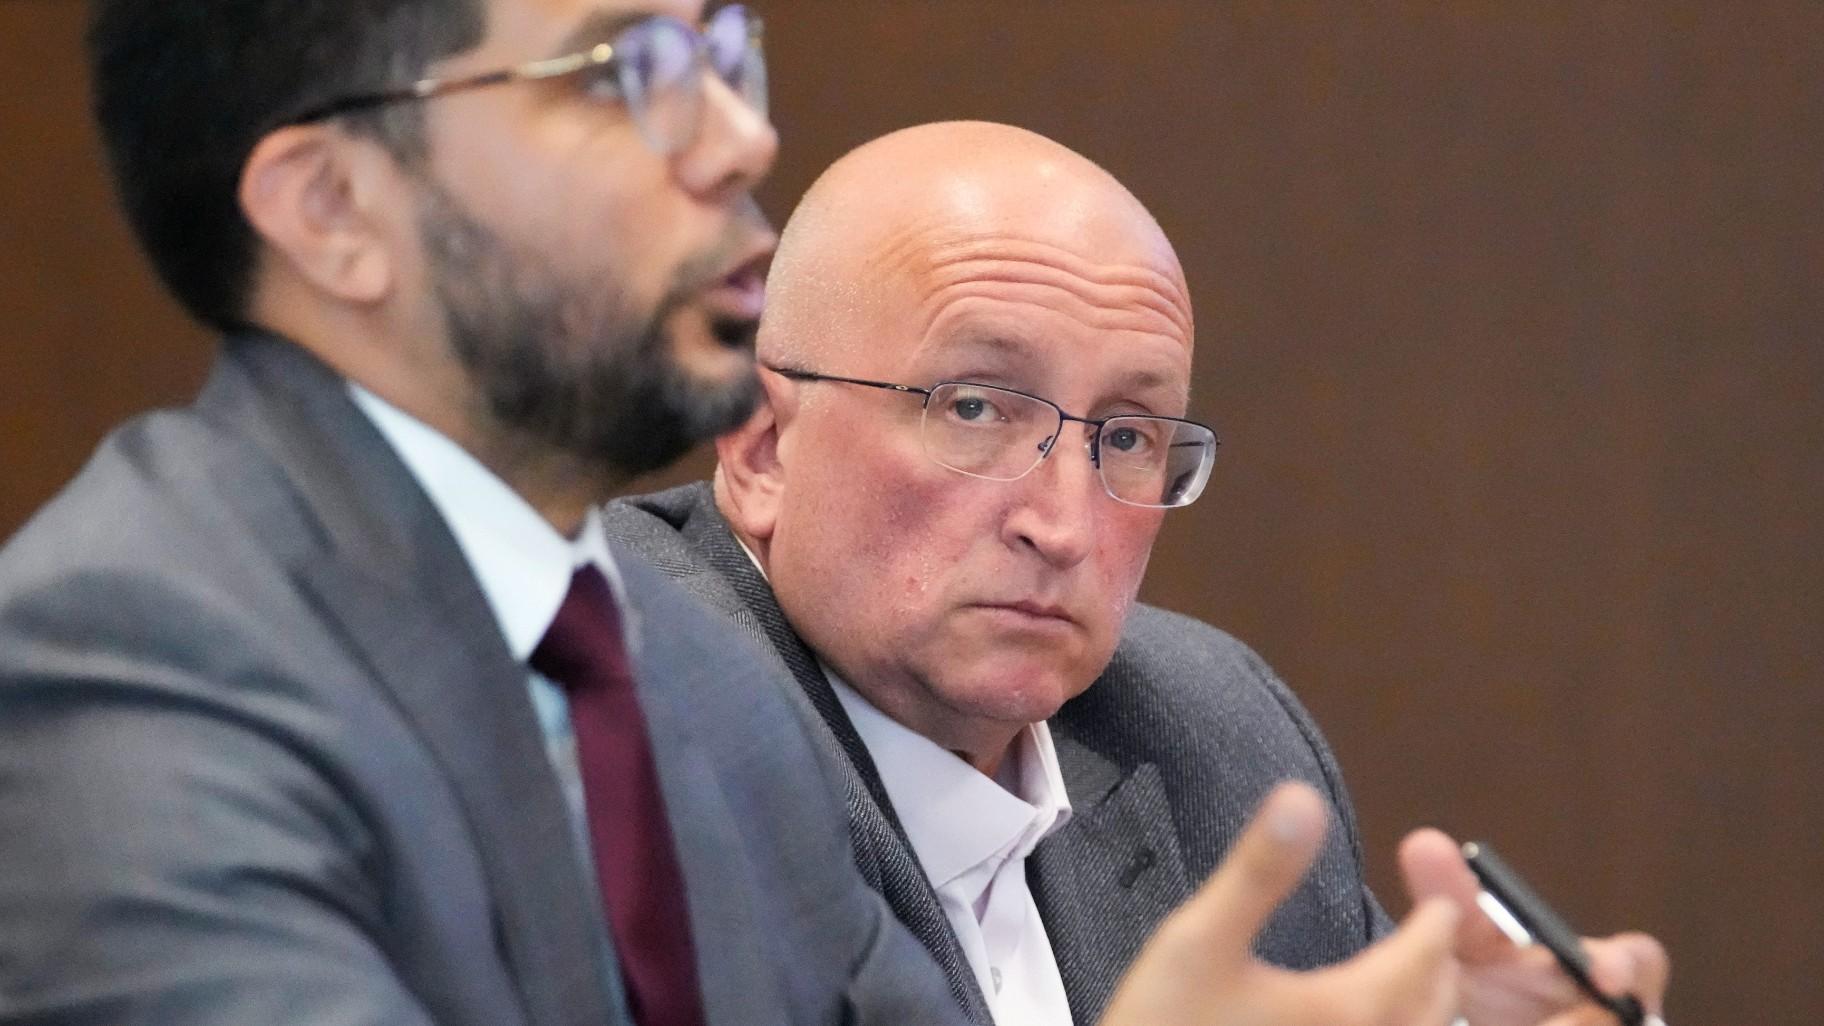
1093 442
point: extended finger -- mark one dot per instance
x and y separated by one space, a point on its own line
1433 867
1630 963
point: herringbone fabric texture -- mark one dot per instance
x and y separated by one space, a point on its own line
1164 757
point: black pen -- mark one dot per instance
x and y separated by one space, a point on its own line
1523 915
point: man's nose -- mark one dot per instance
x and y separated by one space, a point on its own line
1054 511
734 147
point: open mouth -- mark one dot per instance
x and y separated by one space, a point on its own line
734 334
734 301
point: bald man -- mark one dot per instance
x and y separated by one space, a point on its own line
977 352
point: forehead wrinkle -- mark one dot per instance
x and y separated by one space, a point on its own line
1114 296
906 250
1102 315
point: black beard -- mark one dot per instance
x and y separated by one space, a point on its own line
568 363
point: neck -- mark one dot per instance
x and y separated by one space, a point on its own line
556 483
988 763
561 487
982 743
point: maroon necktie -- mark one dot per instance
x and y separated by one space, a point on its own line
636 860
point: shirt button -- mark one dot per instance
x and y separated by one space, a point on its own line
994 973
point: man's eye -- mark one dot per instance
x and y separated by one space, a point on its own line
600 82
975 409
1128 440
972 408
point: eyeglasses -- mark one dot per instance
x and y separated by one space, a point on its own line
654 66
1001 434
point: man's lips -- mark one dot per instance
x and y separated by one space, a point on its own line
740 293
1027 609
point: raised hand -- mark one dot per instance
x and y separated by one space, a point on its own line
1199 968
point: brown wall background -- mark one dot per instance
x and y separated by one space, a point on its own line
1510 316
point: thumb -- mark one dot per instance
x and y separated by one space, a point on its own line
1433 867
1220 921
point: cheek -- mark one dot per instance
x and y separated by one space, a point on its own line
609 240
861 570
906 526
843 503
1121 560
616 222
901 531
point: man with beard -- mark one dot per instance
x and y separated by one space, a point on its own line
977 354
323 699
317 696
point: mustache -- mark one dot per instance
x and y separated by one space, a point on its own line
748 225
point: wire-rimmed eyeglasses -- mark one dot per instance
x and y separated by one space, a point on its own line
1001 434
655 66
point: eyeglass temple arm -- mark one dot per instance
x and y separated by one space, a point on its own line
804 375
425 88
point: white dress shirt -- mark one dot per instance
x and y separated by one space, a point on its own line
972 834
524 568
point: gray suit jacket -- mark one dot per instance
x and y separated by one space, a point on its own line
265 757
1164 757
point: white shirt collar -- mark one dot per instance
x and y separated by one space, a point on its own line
522 563
958 819
972 837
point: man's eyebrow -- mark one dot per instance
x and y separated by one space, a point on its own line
1142 379
596 28
1004 346
996 343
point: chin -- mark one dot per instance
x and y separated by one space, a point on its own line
1016 697
709 355
716 370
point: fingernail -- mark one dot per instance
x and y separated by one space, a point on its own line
1287 826
1288 822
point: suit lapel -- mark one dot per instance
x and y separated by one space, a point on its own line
452 677
394 582
881 848
1105 879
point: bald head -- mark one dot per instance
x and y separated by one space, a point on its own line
919 209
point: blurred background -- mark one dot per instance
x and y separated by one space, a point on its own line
1510 317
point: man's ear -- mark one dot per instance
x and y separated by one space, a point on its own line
317 198
750 474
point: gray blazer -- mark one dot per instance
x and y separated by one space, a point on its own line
1164 758
265 757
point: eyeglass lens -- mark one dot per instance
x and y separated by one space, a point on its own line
660 63
735 52
994 433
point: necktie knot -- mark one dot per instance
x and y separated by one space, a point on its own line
583 647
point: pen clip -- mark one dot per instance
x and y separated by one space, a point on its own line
1503 919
